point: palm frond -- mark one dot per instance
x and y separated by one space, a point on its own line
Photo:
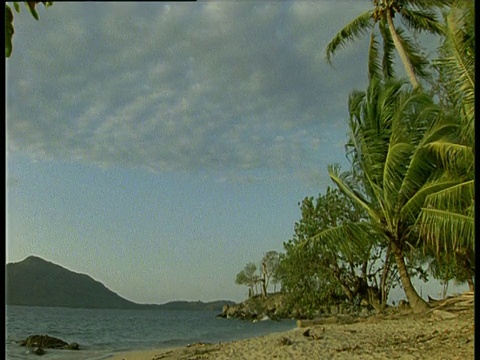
457 64
348 191
456 158
395 168
413 125
412 207
374 67
446 231
388 51
461 64
456 198
353 30
353 240
428 4
422 164
418 61
422 20
371 139
441 129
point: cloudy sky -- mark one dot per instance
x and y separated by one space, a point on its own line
159 147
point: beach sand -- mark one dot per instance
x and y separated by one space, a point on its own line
396 335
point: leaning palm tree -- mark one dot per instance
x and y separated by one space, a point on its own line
391 125
415 15
447 218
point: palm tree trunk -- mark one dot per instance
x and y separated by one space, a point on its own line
417 304
401 52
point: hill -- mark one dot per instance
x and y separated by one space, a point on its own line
37 282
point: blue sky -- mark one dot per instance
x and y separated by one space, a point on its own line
159 147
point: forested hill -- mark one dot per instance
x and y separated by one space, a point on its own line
37 282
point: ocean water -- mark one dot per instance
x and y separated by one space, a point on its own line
102 332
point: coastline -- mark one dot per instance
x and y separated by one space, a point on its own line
399 335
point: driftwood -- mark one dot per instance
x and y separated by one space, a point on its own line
454 303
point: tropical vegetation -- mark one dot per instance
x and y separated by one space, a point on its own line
317 273
411 182
416 16
446 221
406 205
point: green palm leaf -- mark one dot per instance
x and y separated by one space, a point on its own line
374 67
411 209
423 20
457 64
427 4
347 190
446 231
353 240
388 51
454 157
457 197
419 62
353 30
394 172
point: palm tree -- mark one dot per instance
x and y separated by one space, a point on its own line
447 218
391 126
415 15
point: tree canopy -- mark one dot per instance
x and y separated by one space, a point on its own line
417 16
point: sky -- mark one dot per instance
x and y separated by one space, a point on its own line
159 147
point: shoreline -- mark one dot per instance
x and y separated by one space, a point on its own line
435 335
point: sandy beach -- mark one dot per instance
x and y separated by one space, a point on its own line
396 335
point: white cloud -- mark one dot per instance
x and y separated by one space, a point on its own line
176 86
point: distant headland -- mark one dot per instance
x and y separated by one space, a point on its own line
38 282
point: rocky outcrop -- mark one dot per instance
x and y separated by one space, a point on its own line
40 342
256 309
275 307
237 311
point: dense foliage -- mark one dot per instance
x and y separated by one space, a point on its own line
412 156
319 273
446 222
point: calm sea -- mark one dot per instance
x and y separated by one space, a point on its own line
101 333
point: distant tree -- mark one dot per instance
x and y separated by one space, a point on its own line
9 30
275 277
270 262
248 277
